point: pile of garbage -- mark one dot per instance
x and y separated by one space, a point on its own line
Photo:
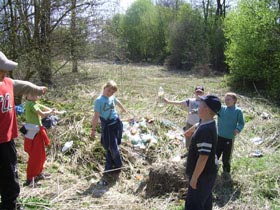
138 134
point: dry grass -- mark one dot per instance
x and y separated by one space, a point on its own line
75 173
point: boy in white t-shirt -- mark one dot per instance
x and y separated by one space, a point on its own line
192 105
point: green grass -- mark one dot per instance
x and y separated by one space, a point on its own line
35 203
262 176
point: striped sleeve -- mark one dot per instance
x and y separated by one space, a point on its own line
204 148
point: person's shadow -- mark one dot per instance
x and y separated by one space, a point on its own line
225 190
99 188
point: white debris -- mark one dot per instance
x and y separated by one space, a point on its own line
257 140
67 146
265 115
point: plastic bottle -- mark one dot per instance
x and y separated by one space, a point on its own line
160 97
67 146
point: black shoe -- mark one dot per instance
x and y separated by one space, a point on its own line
226 176
42 176
29 183
19 207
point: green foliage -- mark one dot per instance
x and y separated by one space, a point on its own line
62 41
188 46
114 28
253 44
142 31
216 41
248 117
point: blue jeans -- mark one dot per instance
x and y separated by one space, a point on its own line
110 139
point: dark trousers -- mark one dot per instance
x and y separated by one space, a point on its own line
201 198
110 139
9 185
224 148
113 158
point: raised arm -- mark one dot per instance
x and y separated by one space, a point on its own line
44 111
174 102
24 88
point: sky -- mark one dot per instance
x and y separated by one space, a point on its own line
125 4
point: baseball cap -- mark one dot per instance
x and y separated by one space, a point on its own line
213 102
6 64
199 88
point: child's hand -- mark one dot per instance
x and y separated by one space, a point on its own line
235 132
193 183
44 89
165 100
193 111
59 112
190 131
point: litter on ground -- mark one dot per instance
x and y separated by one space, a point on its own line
257 140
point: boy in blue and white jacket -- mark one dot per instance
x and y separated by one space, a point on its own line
230 123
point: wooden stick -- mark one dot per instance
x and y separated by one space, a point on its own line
115 169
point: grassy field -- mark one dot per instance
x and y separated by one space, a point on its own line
255 181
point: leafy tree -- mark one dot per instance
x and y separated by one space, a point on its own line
167 14
116 49
214 12
188 46
217 42
142 31
253 44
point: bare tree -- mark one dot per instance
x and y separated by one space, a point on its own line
43 11
27 27
221 8
73 30
205 5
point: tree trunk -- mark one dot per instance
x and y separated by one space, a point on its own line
205 10
74 38
221 9
43 54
